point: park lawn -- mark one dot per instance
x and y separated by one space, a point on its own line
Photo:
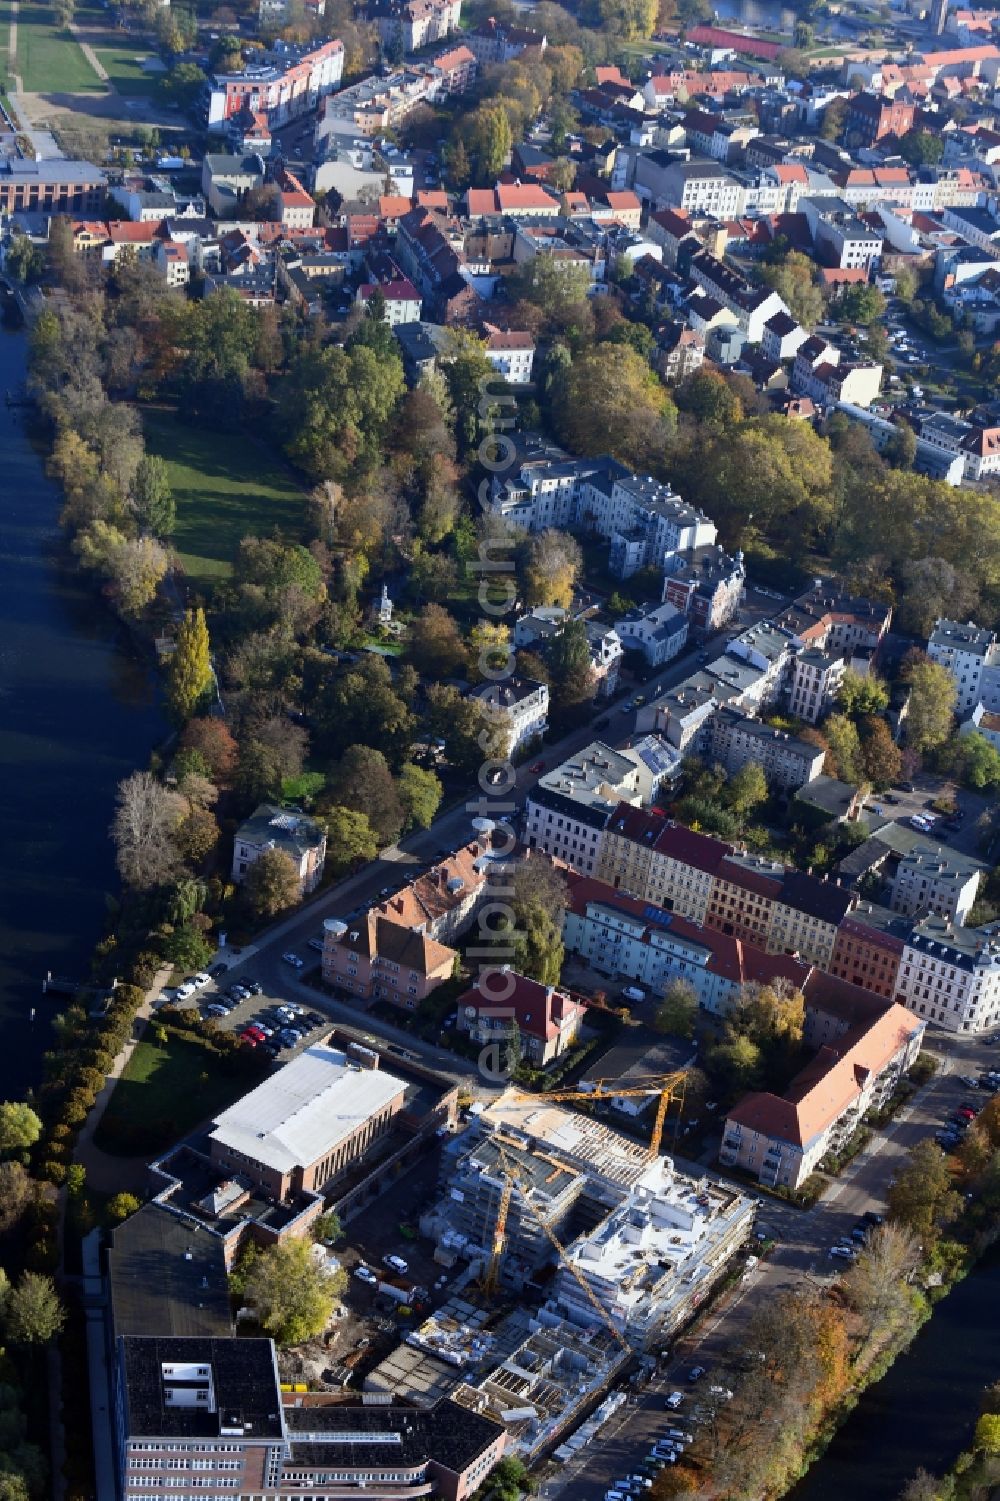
124 66
226 488
163 1093
48 60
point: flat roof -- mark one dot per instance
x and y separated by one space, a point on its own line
239 1378
167 1276
307 1107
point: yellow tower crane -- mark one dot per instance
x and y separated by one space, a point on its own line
664 1087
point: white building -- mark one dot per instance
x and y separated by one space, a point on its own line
568 808
512 355
945 884
951 975
272 828
814 684
520 705
654 1258
972 656
660 634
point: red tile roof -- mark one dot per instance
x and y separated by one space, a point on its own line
538 1010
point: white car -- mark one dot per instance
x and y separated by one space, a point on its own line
842 1253
316 943
292 959
185 992
674 1401
396 1263
201 980
365 1274
722 1392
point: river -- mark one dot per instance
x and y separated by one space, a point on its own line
78 711
923 1411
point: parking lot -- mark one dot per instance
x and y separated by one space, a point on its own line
279 1028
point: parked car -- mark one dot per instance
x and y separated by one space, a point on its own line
696 1372
397 1264
254 987
674 1401
536 766
292 959
216 1010
315 943
315 1020
185 992
200 980
365 1274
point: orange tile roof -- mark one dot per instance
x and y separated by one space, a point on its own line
393 206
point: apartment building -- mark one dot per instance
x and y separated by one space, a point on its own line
280 84
869 948
869 117
814 684
659 634
519 708
731 740
511 353
268 828
568 808
743 897
951 976
661 862
806 917
444 900
377 959
783 1139
412 24
693 187
306 1123
707 585
644 521
753 307
972 656
942 883
502 1004
546 1194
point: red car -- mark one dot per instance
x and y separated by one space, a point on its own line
536 766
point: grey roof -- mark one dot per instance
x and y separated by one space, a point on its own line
167 1275
301 1112
828 794
59 169
271 825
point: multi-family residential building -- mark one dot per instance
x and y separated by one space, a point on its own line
951 976
731 740
971 654
840 237
302 839
869 948
497 42
752 306
696 187
568 808
707 584
375 958
806 917
511 353
443 901
783 337
661 862
541 1020
869 117
401 300
546 623
518 708
814 684
412 24
280 84
659 634
545 1194
943 883
645 522
743 897
783 1139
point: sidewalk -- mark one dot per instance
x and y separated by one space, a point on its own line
106 1173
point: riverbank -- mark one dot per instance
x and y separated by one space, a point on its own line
79 710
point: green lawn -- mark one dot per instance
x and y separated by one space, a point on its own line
50 61
163 1094
124 65
226 488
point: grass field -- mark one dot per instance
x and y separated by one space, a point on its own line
50 61
124 65
163 1093
226 488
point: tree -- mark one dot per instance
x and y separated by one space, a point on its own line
436 645
551 564
608 400
862 693
862 303
736 1063
155 509
15 1194
34 1312
272 883
20 1127
931 588
350 838
489 139
707 395
747 788
213 741
922 1198
143 828
794 280
336 406
24 260
420 792
845 748
362 780
571 673
930 712
678 1011
987 1439
189 679
881 758
122 1205
922 148
132 566
294 1295
979 761
875 1286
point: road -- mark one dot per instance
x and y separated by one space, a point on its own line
800 1256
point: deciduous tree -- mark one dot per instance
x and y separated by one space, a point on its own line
677 1013
189 678
146 817
420 792
350 838
436 645
551 564
294 1295
930 713
34 1313
272 883
20 1127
